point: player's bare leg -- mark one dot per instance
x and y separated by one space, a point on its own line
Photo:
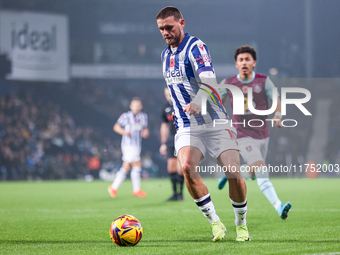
237 191
189 158
237 185
126 166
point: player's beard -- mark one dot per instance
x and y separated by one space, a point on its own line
247 74
175 39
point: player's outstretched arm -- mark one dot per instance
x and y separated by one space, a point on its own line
120 130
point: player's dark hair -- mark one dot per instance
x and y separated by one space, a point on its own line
136 99
168 12
245 49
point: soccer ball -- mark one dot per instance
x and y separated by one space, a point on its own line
126 230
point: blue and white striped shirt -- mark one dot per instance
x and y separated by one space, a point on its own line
181 70
134 124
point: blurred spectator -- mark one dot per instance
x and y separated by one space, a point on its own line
40 141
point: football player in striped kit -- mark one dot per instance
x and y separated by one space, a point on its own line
187 66
253 140
133 126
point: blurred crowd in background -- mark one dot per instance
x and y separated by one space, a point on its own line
39 139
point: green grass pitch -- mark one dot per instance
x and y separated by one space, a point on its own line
73 217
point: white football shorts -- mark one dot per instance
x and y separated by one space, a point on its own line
131 154
253 150
211 139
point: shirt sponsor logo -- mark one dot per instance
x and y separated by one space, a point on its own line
174 76
203 59
206 58
199 59
174 73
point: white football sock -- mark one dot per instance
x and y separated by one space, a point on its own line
207 208
267 187
240 210
135 178
277 204
119 178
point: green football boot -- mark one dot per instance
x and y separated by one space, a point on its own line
218 230
242 233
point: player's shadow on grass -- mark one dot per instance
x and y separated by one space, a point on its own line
205 240
48 242
208 240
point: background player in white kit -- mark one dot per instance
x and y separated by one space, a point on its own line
253 141
132 125
186 64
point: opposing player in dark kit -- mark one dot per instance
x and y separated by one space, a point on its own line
168 132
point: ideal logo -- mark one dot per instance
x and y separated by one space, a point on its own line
174 76
174 73
25 38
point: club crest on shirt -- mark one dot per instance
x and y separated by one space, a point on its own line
249 148
257 88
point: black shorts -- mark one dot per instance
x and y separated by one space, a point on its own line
170 144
